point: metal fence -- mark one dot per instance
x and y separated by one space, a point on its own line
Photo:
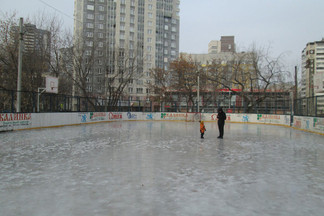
32 102
312 106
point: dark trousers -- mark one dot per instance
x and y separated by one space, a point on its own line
202 135
221 128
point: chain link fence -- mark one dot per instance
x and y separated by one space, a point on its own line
33 102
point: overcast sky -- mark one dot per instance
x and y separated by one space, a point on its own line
284 25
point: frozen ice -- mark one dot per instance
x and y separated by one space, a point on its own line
161 168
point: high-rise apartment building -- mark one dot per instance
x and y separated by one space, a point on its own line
227 44
313 69
214 47
35 40
144 31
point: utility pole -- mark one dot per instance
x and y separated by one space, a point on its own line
20 56
198 94
296 84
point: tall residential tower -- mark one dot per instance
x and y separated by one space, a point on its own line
313 69
145 30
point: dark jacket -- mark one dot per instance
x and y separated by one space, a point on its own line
221 117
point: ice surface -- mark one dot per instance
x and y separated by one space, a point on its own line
161 168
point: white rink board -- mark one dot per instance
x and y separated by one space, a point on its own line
313 124
12 121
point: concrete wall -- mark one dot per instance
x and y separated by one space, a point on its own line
12 121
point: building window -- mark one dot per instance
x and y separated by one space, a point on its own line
139 90
149 40
101 8
132 20
149 31
122 26
101 26
122 9
100 35
166 27
89 25
90 7
122 36
131 28
174 29
90 16
90 34
100 44
131 36
101 17
132 11
150 15
130 90
150 7
139 82
122 18
89 43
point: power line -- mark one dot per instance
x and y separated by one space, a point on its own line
59 11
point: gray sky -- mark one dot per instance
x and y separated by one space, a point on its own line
284 25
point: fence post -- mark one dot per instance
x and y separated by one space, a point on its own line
307 101
34 102
51 103
12 101
79 103
316 106
64 106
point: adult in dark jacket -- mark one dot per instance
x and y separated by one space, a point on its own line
221 116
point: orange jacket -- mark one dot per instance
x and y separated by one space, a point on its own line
202 127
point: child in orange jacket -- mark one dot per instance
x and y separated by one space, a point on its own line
202 129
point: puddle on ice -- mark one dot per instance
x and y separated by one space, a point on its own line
161 168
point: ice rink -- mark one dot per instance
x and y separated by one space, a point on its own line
161 168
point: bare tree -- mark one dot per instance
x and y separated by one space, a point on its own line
36 57
8 52
121 72
184 75
250 75
159 87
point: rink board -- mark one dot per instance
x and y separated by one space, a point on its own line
13 121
